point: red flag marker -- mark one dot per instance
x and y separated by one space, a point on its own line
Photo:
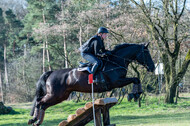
90 78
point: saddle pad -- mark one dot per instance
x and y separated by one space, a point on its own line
84 69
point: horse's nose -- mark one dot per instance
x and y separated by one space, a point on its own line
151 68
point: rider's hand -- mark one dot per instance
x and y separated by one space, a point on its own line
108 53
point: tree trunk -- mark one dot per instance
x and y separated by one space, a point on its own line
5 65
1 87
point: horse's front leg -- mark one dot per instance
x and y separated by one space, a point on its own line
137 88
125 81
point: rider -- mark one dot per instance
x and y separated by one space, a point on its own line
94 48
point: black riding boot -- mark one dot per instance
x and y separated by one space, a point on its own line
97 79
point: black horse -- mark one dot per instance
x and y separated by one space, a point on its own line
54 87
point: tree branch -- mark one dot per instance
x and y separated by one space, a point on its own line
182 10
184 67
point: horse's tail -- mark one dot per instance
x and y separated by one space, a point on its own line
40 90
33 106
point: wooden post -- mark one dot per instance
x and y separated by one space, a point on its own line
106 115
98 118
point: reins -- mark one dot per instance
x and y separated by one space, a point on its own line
124 59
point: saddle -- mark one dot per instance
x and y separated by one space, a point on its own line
88 66
85 67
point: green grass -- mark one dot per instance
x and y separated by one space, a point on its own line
152 113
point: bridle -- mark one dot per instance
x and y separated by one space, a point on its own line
127 59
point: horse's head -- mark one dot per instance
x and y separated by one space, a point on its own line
130 52
144 58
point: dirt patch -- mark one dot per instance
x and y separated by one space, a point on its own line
21 105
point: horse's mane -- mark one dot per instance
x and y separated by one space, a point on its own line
123 45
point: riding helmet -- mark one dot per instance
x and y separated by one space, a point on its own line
102 30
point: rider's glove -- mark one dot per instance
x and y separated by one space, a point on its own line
108 53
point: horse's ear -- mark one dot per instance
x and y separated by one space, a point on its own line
146 44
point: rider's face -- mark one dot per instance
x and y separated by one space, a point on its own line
104 35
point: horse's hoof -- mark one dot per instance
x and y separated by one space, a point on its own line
130 97
30 122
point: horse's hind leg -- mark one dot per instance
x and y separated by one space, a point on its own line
46 102
36 114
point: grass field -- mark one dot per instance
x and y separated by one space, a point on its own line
152 113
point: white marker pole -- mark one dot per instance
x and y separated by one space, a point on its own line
93 104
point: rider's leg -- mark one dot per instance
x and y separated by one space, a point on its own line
96 63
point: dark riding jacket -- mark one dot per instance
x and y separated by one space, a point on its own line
94 45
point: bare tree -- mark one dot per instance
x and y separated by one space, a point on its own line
165 25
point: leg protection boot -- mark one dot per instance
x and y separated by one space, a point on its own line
41 117
94 69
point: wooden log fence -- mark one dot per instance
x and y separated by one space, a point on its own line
85 115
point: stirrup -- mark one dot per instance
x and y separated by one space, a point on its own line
99 81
